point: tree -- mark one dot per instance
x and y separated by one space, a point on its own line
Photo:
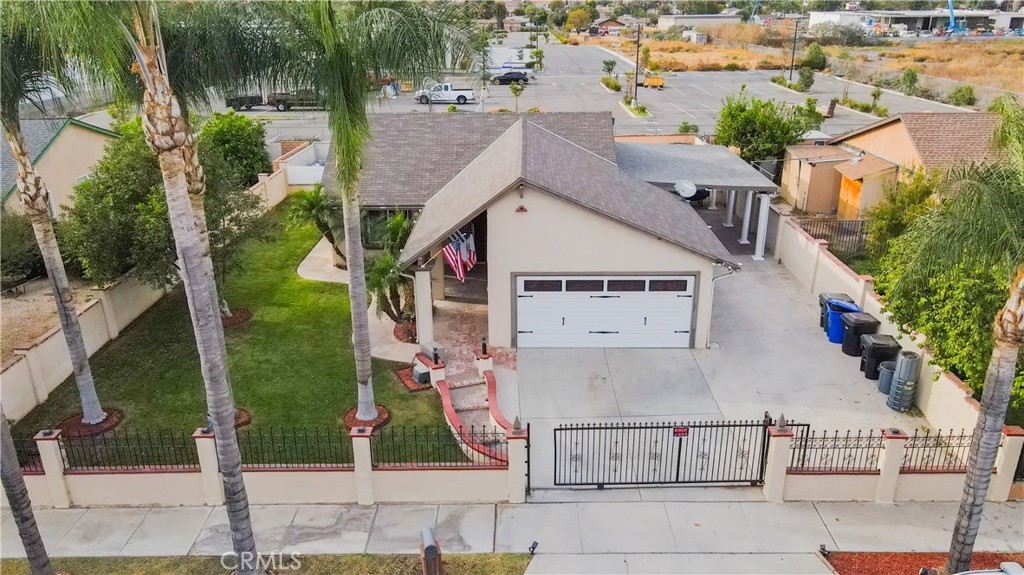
824 5
517 90
687 128
31 65
556 5
761 129
805 79
902 203
320 208
391 289
241 141
908 81
500 13
609 66
815 58
20 504
338 46
876 95
976 228
538 58
578 20
961 95
19 252
699 7
645 57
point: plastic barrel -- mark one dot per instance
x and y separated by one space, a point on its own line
886 369
908 366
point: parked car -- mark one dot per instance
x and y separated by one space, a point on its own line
444 94
510 78
306 98
237 102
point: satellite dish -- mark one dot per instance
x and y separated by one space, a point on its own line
686 189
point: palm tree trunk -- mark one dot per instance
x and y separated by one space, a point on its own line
995 398
36 199
21 506
168 134
366 407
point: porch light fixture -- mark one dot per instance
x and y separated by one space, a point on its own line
521 187
437 358
483 346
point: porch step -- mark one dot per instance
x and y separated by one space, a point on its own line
471 397
478 420
467 383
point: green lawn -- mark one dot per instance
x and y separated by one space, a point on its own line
491 564
291 366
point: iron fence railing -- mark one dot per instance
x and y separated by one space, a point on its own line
28 455
438 447
846 238
295 448
1018 475
834 452
130 451
937 452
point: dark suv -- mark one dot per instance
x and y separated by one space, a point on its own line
510 78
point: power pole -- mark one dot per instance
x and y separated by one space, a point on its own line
792 54
636 77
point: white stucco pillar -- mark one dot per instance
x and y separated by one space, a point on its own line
517 465
730 207
424 301
437 278
1006 463
762 226
53 467
714 199
363 461
779 442
745 231
890 460
206 448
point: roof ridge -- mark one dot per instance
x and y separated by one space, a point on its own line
568 141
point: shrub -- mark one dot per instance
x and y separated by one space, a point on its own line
574 42
882 112
768 65
732 67
640 109
908 82
779 79
815 57
611 83
961 95
19 252
452 108
241 141
704 66
687 128
534 109
806 79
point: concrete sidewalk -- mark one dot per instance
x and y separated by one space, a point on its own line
643 533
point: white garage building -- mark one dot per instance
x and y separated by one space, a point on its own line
578 254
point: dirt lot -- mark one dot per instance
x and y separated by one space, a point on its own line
990 63
26 317
686 56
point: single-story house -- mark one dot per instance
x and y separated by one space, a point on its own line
609 25
849 175
63 152
572 251
667 21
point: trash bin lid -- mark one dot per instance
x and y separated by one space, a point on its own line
824 297
879 341
839 305
859 318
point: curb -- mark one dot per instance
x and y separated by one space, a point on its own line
632 113
610 91
781 87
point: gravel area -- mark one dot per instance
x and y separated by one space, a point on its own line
26 317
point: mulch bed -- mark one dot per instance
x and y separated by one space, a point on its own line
73 426
240 316
405 332
908 563
405 376
382 419
242 417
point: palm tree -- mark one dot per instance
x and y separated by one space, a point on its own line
21 506
343 45
29 72
320 208
391 289
500 12
114 40
978 222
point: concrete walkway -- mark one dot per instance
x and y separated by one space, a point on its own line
318 265
643 536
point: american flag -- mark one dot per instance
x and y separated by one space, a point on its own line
453 255
469 248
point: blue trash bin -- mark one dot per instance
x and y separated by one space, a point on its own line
836 308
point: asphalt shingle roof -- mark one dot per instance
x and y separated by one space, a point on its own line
705 166
37 134
411 156
528 152
812 152
867 166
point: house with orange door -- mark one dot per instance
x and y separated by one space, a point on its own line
851 173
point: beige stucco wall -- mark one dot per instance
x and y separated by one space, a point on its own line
160 489
71 156
38 492
890 142
831 487
300 487
442 485
930 486
555 236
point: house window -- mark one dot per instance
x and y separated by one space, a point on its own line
626 285
584 285
668 285
375 226
542 285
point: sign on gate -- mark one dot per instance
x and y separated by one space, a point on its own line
667 453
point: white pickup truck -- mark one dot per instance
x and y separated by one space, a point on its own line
444 94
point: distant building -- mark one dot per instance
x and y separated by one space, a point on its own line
694 20
916 20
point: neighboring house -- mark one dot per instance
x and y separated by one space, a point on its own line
667 21
850 174
607 25
63 151
572 251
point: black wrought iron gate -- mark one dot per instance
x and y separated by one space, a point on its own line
709 452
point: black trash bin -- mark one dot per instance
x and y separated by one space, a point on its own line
856 324
876 348
822 302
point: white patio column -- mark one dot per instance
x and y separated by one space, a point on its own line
424 301
745 232
714 199
730 207
762 226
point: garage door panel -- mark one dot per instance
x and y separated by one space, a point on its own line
607 318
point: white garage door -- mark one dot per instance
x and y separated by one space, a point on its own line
604 311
